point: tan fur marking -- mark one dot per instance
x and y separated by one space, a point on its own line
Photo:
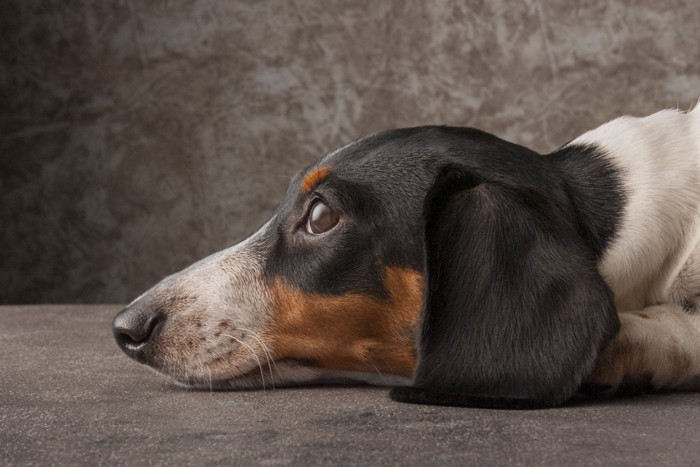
351 332
313 178
618 359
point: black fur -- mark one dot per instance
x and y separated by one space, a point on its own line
378 185
514 311
595 192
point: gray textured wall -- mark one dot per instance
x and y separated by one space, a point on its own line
136 137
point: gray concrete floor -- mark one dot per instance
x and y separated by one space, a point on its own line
69 396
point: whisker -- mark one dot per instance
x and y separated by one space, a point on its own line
220 356
268 354
254 355
379 372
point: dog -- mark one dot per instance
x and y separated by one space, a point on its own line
459 268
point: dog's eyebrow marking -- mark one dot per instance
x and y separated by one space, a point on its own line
313 178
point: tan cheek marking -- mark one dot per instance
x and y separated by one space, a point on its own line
350 332
313 178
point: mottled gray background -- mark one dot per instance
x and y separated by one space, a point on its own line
136 137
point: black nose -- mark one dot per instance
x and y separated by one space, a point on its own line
134 328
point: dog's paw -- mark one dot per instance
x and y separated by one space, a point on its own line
624 366
654 350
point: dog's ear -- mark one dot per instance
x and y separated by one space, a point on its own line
514 312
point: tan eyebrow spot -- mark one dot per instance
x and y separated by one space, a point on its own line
313 178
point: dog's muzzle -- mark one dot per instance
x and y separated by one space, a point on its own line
204 322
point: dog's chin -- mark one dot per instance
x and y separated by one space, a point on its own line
257 378
284 373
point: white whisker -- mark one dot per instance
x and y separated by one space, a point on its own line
254 355
379 372
268 354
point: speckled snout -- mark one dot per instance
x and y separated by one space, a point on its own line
202 325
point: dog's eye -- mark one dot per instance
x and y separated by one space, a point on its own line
321 218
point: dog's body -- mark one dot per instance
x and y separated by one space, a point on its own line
525 267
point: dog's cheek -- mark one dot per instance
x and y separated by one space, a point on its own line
350 332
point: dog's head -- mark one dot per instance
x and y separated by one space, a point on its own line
331 287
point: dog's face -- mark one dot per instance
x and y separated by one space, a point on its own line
329 288
503 241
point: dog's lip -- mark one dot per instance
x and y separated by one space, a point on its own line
270 367
225 383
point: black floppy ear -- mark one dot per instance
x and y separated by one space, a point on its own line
514 312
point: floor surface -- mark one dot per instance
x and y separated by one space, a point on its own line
69 396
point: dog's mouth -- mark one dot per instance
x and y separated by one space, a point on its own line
283 373
269 375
